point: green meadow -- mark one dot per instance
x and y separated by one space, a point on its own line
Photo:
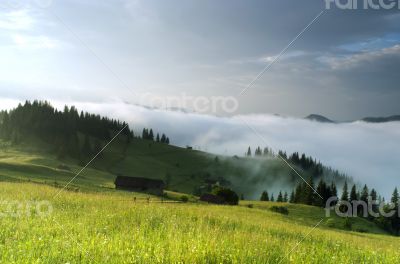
109 227
91 222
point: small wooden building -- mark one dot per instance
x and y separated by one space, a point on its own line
139 184
211 198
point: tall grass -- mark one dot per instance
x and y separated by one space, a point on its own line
110 228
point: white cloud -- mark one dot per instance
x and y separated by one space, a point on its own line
360 59
35 42
284 56
364 151
16 20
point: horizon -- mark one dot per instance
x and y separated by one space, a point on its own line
334 144
141 52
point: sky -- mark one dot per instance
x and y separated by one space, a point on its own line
133 59
344 66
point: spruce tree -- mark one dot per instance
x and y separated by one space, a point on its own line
373 194
151 135
264 196
285 197
309 192
334 189
299 194
364 194
353 193
292 199
395 219
248 154
144 134
374 198
395 197
280 197
345 192
323 191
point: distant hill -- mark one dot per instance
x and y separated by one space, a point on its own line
319 118
323 119
43 139
381 119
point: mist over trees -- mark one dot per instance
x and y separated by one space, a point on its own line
72 133
305 163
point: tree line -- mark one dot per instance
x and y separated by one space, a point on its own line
318 195
315 168
71 133
149 135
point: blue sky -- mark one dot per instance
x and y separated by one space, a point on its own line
344 66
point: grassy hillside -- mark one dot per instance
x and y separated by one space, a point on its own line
91 222
39 133
108 227
188 169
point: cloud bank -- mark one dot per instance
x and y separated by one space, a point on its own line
367 152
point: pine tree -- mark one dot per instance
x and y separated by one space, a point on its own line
280 197
345 192
309 192
266 151
395 219
264 196
285 197
292 199
334 189
145 134
299 194
272 198
353 193
258 152
158 138
151 135
248 154
395 197
364 194
373 196
325 191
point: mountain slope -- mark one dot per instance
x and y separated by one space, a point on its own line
66 137
319 118
381 119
